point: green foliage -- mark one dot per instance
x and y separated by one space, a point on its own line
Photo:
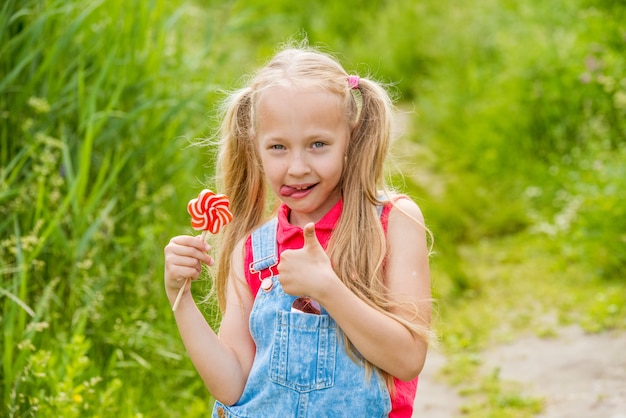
520 106
523 107
95 101
582 213
63 382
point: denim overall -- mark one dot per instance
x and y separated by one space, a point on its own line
301 368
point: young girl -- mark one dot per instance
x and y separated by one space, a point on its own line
326 307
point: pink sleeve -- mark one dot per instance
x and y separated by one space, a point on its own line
384 216
402 402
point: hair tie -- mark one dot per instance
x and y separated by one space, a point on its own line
353 81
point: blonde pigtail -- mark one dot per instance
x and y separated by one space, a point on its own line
241 179
363 183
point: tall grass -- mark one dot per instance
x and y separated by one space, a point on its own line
521 108
97 100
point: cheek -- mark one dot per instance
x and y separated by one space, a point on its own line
272 169
336 165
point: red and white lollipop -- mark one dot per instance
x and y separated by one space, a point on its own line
209 213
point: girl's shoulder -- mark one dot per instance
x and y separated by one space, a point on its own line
400 209
408 206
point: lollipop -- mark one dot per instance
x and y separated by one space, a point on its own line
209 213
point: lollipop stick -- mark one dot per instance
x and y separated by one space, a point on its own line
179 296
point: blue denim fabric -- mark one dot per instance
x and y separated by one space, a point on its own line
301 368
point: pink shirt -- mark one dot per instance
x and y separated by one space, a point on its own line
291 237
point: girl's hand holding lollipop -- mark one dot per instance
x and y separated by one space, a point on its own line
209 213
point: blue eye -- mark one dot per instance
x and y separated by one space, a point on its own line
317 144
277 146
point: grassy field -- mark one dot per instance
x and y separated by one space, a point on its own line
515 151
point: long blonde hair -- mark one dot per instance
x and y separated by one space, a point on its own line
357 248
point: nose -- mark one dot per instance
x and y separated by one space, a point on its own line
298 165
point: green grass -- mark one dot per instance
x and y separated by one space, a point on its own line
515 153
95 114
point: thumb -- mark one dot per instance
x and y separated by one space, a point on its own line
310 239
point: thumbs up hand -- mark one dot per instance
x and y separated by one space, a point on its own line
304 271
311 242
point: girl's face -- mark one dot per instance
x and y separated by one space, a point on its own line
302 135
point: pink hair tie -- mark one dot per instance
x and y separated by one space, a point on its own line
353 81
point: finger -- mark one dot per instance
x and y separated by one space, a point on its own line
182 273
190 253
310 239
176 277
189 241
184 262
176 249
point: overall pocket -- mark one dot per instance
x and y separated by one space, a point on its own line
304 351
222 411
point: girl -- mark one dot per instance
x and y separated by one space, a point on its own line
326 307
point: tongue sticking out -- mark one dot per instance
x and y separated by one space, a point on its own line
288 191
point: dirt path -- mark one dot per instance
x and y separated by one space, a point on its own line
579 375
435 399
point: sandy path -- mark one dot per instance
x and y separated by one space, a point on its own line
434 399
579 375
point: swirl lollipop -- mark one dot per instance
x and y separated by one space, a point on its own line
209 213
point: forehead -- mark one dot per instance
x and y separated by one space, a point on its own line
298 101
297 113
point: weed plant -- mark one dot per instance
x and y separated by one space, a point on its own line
97 102
516 155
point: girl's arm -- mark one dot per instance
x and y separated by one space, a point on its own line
381 339
223 361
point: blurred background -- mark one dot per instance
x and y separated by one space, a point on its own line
513 141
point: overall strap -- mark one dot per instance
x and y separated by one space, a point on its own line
264 247
379 209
